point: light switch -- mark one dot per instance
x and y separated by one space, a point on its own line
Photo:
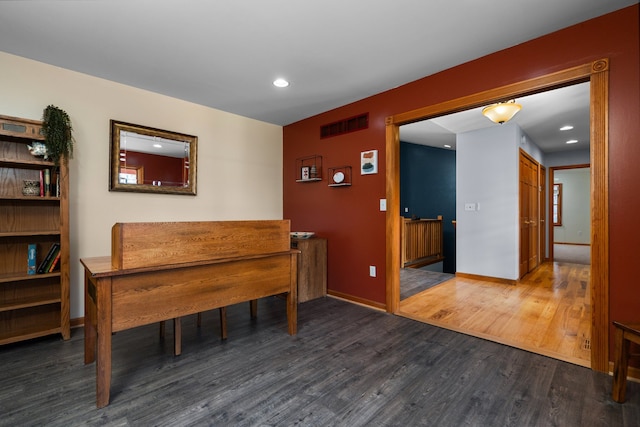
372 270
383 205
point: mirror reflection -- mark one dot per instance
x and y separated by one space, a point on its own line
146 159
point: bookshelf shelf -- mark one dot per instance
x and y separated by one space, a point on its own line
28 302
31 305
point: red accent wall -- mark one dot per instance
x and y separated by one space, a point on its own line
165 169
349 217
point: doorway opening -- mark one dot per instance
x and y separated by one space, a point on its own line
597 74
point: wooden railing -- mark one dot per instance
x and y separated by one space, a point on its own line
421 241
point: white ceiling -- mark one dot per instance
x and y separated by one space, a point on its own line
225 54
541 117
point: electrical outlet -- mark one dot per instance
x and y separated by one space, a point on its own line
372 270
406 210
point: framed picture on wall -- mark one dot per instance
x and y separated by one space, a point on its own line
369 162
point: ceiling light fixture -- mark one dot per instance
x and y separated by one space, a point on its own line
567 127
572 141
280 83
501 112
447 146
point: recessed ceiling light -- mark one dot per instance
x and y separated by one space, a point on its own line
567 127
280 83
157 145
447 146
572 141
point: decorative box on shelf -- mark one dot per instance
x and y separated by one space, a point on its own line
339 176
309 169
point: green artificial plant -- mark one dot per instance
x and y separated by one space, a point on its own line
58 134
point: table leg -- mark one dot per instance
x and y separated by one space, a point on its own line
253 308
292 296
620 366
103 370
89 322
223 322
177 336
103 325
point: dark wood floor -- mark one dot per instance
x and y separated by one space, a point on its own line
348 366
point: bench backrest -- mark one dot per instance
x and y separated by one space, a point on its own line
149 244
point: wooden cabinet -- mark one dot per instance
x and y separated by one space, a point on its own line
31 305
312 268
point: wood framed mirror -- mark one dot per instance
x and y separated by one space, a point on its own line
149 160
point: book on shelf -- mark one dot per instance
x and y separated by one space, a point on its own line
56 262
41 183
47 183
55 253
55 183
31 259
48 259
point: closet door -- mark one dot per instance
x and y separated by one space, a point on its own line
529 220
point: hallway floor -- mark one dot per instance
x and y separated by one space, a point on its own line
548 312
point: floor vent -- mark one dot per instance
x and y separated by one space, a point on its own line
341 127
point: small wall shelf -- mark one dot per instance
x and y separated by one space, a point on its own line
339 176
309 169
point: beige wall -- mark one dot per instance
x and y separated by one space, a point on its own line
239 159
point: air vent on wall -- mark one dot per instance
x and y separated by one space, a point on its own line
341 127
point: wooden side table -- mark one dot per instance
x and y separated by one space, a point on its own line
312 267
626 333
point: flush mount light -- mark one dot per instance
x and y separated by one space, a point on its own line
572 141
157 145
280 83
567 127
501 112
447 146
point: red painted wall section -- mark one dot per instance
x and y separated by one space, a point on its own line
349 217
167 170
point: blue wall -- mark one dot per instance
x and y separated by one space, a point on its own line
428 189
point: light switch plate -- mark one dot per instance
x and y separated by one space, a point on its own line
383 205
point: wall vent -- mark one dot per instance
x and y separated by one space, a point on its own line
341 127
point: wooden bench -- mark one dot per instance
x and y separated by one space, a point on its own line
626 333
163 271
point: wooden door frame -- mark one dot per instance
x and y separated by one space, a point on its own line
552 171
597 73
542 220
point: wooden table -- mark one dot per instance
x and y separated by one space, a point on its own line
120 298
626 333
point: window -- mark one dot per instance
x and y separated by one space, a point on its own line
557 204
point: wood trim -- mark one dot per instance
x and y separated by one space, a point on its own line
566 77
573 244
392 155
487 278
360 301
77 322
597 73
65 250
600 215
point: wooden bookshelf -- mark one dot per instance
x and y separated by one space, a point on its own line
33 305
